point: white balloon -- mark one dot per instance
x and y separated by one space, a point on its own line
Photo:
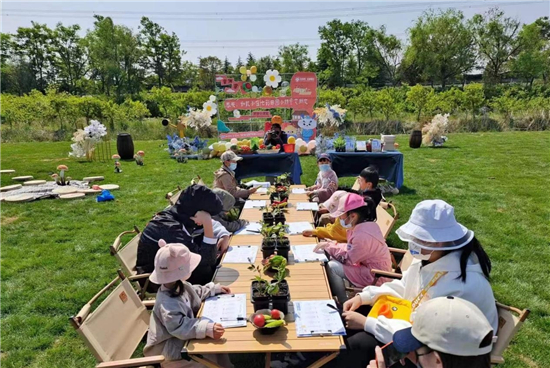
253 78
255 88
228 145
234 141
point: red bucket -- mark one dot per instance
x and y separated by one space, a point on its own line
289 148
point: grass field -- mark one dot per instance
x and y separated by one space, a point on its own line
55 256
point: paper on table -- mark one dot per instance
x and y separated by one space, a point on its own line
241 254
254 204
315 318
255 183
262 191
298 191
296 228
227 309
361 145
307 206
252 228
305 253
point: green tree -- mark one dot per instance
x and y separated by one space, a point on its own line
386 103
443 45
497 41
334 52
70 56
473 98
386 52
250 60
189 74
208 68
163 98
533 60
294 58
227 68
90 107
363 104
419 96
239 64
264 64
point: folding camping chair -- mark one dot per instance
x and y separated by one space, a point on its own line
510 320
127 257
173 196
384 220
115 328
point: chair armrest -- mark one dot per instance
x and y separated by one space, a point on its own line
139 277
397 250
149 303
136 362
497 359
118 240
381 273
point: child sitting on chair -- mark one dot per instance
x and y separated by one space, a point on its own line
330 231
173 320
326 183
364 250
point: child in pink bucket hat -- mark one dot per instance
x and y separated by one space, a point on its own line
173 320
364 250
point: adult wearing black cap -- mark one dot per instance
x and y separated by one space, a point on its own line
188 222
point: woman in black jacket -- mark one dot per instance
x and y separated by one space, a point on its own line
187 222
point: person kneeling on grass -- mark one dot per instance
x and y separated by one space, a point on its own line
173 320
326 182
449 261
448 332
365 249
228 201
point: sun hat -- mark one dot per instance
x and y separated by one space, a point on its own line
449 325
173 262
348 202
331 204
228 201
230 156
324 156
433 221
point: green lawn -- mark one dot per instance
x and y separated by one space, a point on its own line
55 253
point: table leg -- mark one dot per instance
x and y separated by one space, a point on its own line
205 362
324 360
267 360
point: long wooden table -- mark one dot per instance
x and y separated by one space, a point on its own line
307 281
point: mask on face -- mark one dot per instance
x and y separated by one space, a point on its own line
324 167
232 166
344 225
416 251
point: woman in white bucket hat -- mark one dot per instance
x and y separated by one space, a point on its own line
448 261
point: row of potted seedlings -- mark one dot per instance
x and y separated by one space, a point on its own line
272 294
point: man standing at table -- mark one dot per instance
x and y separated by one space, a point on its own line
224 178
276 136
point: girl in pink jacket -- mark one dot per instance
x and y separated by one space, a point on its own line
365 250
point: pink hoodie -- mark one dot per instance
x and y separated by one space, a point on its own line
366 250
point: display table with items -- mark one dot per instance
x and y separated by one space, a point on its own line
269 165
389 164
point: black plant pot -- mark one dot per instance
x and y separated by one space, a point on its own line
259 302
340 149
268 247
283 247
279 219
268 219
280 301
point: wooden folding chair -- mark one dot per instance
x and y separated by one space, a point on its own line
173 196
127 257
510 320
115 328
384 220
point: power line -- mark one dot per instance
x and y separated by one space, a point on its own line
179 19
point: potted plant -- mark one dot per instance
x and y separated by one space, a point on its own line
340 144
261 290
278 213
282 244
283 180
279 195
274 240
281 296
267 216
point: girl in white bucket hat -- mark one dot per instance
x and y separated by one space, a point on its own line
448 261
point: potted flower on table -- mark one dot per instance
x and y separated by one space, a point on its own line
274 240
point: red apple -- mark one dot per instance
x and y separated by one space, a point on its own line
275 314
259 320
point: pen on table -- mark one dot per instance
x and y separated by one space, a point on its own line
333 307
230 319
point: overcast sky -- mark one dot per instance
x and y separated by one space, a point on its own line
235 28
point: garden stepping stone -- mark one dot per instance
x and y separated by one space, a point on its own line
10 187
109 186
93 178
65 190
23 178
34 182
7 171
89 191
20 198
72 196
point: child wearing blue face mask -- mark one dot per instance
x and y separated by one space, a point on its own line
326 183
224 178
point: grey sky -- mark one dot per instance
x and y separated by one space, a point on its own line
235 28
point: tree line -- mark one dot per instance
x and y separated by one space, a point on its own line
113 60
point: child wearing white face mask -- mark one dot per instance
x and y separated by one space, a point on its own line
449 262
364 250
326 182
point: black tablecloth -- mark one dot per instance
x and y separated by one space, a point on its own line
269 165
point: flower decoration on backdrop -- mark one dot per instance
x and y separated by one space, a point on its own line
85 140
199 119
433 132
272 78
210 106
236 113
248 73
330 116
